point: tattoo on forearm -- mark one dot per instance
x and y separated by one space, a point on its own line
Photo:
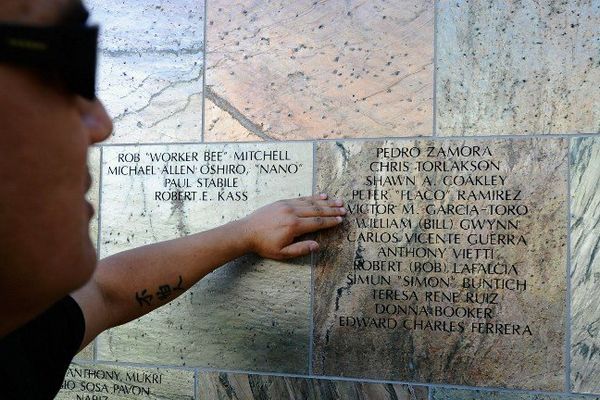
144 298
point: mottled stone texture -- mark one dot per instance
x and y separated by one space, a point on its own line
229 386
453 394
87 353
307 69
251 314
518 67
112 382
528 173
150 68
585 264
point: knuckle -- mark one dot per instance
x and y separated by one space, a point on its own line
293 222
286 208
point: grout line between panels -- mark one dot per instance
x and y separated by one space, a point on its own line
203 123
196 386
435 64
371 139
313 260
568 315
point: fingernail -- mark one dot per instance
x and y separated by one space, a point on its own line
339 202
313 247
339 219
323 195
343 211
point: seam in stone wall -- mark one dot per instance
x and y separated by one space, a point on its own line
313 263
203 123
568 316
435 64
196 384
395 138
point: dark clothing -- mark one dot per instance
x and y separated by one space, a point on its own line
35 357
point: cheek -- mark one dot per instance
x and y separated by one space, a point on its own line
47 135
43 218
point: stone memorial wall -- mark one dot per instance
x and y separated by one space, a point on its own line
464 138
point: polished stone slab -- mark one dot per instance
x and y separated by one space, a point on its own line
252 314
114 382
518 67
450 266
226 386
456 394
309 70
150 71
585 264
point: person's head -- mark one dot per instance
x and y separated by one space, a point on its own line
45 132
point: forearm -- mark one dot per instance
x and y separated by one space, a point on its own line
132 283
137 281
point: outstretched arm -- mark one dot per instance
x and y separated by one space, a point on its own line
130 284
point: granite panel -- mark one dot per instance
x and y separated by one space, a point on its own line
451 264
252 313
456 394
518 67
86 353
226 386
224 119
316 69
585 264
150 71
112 382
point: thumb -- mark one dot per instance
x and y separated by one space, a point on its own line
299 249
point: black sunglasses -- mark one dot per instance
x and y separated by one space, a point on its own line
68 53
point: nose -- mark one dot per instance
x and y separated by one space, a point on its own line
96 119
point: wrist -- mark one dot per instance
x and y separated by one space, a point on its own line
241 232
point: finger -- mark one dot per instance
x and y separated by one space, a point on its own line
320 211
299 249
307 225
315 197
323 202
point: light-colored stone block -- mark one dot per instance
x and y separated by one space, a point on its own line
86 353
451 265
150 71
229 386
113 382
585 264
251 314
518 67
309 70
